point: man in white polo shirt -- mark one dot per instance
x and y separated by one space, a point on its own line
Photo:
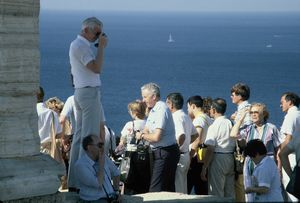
184 129
219 158
86 68
290 128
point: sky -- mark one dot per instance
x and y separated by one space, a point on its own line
172 5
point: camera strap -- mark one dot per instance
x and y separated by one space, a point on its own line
109 182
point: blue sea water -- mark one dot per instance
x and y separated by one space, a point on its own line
211 52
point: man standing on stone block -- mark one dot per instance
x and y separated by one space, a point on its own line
86 68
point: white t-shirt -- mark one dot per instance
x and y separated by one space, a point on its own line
127 131
69 111
110 140
183 125
81 54
44 122
202 121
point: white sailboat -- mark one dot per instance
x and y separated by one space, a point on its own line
170 38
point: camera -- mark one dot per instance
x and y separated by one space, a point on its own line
102 34
113 198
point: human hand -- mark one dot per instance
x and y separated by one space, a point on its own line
102 40
244 113
233 116
119 149
139 135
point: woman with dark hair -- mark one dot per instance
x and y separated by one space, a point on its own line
259 129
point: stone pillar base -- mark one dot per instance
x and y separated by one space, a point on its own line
30 176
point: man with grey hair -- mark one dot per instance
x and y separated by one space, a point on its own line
159 131
86 68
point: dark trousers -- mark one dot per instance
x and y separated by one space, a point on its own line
194 178
164 169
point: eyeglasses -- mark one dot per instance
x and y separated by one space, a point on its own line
99 145
254 112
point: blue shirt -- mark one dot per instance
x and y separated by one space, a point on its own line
87 180
160 117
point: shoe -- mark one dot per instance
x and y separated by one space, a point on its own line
73 189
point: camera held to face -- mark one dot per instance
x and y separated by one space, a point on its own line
102 34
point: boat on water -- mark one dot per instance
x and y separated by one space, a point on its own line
170 38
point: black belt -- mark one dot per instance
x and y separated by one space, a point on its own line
223 152
166 148
90 87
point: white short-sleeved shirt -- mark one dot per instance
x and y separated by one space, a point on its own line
81 54
203 121
240 109
294 146
266 174
127 131
160 117
45 117
218 135
291 123
183 125
69 111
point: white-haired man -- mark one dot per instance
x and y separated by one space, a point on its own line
86 68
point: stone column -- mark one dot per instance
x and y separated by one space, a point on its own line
24 171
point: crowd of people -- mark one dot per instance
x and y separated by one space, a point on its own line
169 149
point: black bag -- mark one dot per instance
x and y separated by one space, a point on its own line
293 186
139 176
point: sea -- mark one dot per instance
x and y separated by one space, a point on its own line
211 52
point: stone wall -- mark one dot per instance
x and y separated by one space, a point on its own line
24 172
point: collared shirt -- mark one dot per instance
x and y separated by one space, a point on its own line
160 117
266 174
81 54
86 175
270 136
45 117
241 107
218 135
69 111
183 125
291 123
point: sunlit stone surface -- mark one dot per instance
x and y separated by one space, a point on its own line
24 172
